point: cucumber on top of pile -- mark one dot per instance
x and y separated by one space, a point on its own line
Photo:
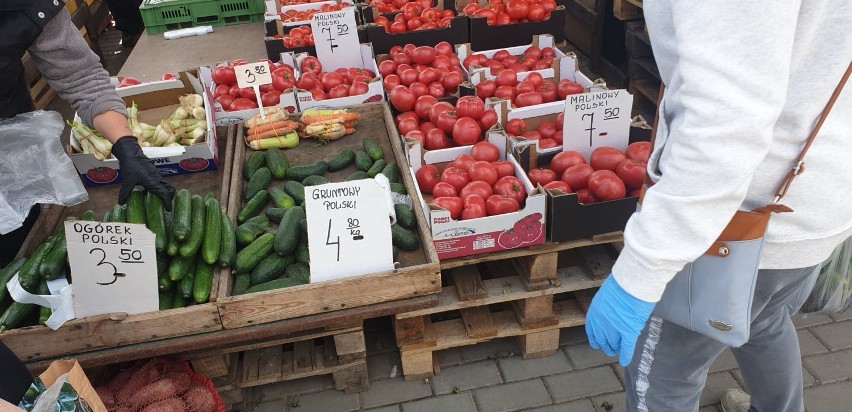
190 241
273 257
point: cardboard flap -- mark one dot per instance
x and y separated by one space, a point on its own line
77 378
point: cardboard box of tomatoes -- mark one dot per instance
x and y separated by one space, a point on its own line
294 39
318 88
389 8
220 81
476 199
417 25
514 23
155 101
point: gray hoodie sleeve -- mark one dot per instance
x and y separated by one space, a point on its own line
73 70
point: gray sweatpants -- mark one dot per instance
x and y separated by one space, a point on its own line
670 363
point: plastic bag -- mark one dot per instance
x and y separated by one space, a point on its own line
832 290
34 168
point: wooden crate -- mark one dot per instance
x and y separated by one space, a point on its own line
417 274
93 333
493 299
627 9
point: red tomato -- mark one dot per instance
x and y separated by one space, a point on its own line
500 204
463 162
422 106
516 127
563 160
485 151
453 205
446 121
419 89
557 137
640 151
534 77
504 168
547 130
414 23
541 176
606 158
338 91
506 77
168 76
474 60
470 8
442 61
270 99
483 171
402 98
318 94
428 75
436 89
408 77
358 88
247 93
443 48
307 82
494 67
631 172
387 67
577 176
444 189
511 186
466 131
243 104
310 64
532 135
586 197
548 92
478 188
423 54
390 81
419 136
524 87
567 87
330 80
549 5
485 89
427 176
394 50
470 106
220 90
635 192
489 14
501 54
406 125
223 75
474 207
397 27
436 139
536 12
361 79
558 185
488 119
606 185
452 80
502 19
425 127
234 92
544 143
528 99
455 176
517 9
437 109
225 101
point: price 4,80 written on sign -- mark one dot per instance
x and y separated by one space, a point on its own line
336 39
597 119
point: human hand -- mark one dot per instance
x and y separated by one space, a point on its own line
138 169
615 319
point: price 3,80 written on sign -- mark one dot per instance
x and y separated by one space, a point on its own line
597 119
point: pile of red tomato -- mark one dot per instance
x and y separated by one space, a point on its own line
548 134
297 37
475 185
500 12
291 16
439 124
342 82
391 6
415 17
533 58
295 2
531 91
421 70
610 174
233 98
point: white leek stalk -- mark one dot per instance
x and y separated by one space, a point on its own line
190 101
133 122
180 113
198 113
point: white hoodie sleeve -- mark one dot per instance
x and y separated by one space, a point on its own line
725 64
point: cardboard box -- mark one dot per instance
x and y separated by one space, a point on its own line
369 14
542 41
375 93
455 33
456 238
155 101
223 117
485 37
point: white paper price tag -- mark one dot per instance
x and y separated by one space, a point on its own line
114 267
336 39
350 229
597 119
253 74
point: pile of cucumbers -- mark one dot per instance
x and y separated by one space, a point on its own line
273 241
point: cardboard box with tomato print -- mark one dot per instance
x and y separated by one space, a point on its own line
486 37
374 92
457 238
156 101
208 76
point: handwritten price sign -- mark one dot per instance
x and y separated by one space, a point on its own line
336 39
351 219
114 267
253 74
597 119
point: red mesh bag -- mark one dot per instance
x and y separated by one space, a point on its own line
160 385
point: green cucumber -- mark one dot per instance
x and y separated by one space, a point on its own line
184 286
43 312
295 190
212 241
275 214
342 160
269 268
29 273
314 180
252 254
280 198
258 182
155 220
166 299
404 238
179 301
91 216
377 168
173 245
251 229
299 173
229 243
405 216
253 206
274 284
203 282
356 176
287 237
398 188
391 171
299 271
15 314
303 255
8 272
254 162
363 162
54 261
373 149
179 266
277 163
119 214
241 283
192 243
136 207
180 215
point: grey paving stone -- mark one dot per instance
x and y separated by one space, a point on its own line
831 366
616 402
712 408
842 316
512 396
717 384
802 321
390 391
619 371
448 357
279 405
462 402
391 408
829 398
467 376
283 389
328 401
583 356
725 361
582 405
582 384
809 344
809 379
379 366
490 350
836 335
517 368
572 336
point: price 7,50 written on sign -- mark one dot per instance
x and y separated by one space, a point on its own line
253 74
336 39
597 119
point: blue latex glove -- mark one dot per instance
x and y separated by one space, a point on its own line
615 319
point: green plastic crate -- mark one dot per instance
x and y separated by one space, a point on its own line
164 15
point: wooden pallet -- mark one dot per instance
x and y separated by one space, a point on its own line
494 299
627 9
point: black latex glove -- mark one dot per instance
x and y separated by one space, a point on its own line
138 169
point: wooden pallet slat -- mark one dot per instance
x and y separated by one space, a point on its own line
269 364
598 260
479 322
468 283
303 354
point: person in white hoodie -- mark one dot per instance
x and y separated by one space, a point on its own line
745 82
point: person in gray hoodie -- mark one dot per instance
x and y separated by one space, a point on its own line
745 83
